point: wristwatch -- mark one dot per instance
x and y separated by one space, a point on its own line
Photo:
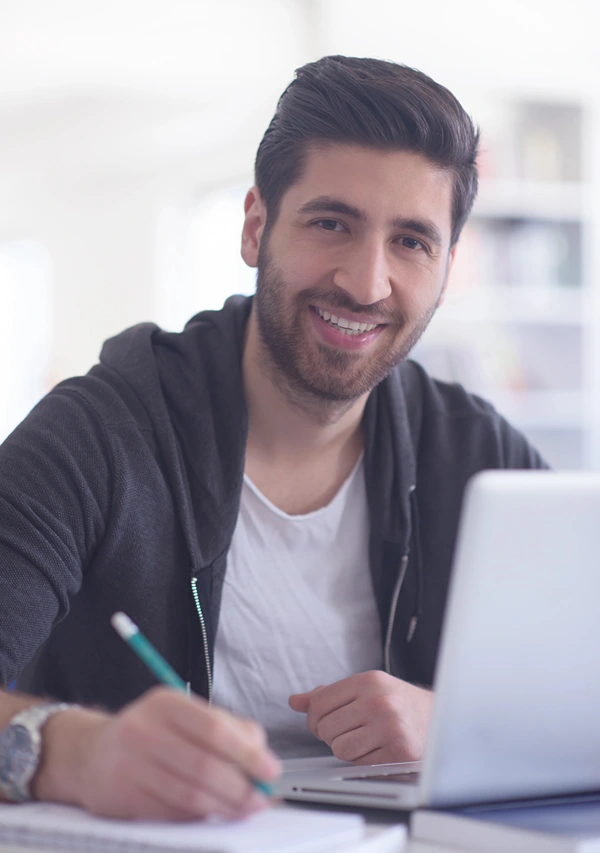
20 747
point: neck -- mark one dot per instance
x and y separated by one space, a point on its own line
284 421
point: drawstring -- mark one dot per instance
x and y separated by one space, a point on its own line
419 564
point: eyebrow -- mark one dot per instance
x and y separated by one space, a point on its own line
327 204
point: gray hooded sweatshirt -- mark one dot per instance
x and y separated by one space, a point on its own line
121 490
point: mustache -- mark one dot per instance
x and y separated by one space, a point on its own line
377 312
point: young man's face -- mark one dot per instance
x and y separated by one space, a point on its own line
362 238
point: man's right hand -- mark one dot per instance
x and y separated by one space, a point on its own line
165 756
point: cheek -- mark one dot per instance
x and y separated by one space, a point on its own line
304 270
308 261
417 290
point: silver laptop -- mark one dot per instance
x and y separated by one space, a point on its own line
517 685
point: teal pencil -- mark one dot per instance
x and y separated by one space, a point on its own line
158 666
144 649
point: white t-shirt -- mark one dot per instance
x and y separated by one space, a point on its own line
298 610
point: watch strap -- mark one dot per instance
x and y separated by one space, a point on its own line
15 774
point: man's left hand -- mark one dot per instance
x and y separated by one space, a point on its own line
369 718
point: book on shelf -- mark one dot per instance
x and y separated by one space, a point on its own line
569 825
522 253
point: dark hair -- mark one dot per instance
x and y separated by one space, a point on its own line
375 104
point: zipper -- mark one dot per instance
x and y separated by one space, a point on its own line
392 616
204 636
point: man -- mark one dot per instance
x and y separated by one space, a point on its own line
272 495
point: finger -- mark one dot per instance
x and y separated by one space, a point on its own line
200 768
300 701
255 730
376 756
356 744
154 806
139 804
220 732
131 801
327 701
333 696
340 721
388 753
179 796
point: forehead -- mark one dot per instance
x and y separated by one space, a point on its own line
383 184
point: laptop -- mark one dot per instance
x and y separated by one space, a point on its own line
517 685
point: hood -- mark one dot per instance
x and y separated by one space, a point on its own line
189 385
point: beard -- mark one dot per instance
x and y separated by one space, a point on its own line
311 368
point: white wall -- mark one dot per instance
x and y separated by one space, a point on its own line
512 43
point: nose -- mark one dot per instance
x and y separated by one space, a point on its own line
365 273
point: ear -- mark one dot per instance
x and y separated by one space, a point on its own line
448 268
254 225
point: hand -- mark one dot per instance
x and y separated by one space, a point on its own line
166 756
369 718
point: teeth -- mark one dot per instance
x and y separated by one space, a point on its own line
346 327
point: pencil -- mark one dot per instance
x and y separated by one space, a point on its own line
158 666
144 649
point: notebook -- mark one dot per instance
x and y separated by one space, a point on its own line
276 830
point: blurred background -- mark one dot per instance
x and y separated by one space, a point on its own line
127 137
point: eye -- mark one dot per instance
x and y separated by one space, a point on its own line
329 224
412 243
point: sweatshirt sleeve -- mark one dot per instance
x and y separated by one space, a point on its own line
55 487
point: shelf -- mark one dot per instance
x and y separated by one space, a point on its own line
561 201
514 304
516 324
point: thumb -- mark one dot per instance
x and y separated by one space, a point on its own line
301 701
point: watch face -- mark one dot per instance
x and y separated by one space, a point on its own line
17 758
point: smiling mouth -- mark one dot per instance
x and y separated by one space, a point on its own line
346 327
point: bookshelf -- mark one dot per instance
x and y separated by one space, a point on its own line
516 323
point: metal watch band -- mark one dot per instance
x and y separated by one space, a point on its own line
19 763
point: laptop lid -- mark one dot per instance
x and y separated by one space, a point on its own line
517 682
517 687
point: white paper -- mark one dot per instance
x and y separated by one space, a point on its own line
276 830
